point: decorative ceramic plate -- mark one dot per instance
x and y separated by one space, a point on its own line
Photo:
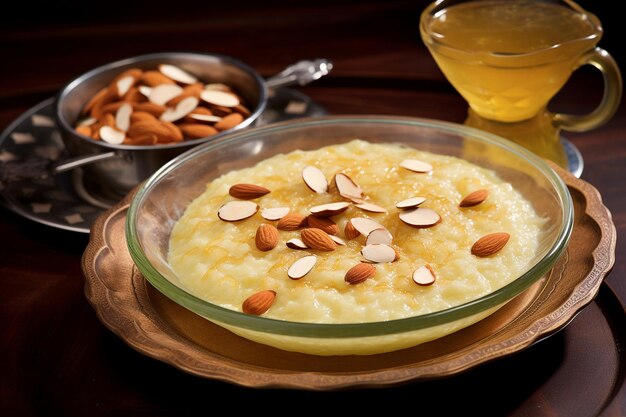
67 201
156 326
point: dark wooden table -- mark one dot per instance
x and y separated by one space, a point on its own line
57 359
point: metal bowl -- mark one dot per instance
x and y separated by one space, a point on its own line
119 168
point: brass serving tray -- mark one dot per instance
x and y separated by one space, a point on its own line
156 326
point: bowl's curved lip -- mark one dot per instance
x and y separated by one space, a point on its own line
346 330
75 82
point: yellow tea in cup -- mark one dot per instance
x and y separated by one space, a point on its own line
508 58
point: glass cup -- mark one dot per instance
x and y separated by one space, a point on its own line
509 58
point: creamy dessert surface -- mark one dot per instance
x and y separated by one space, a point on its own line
218 260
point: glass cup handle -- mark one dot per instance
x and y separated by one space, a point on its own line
611 97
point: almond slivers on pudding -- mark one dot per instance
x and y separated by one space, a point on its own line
353 233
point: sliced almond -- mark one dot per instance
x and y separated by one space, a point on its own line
371 207
145 90
379 253
237 210
205 117
274 213
379 236
247 191
317 239
220 98
416 165
88 121
258 303
490 244
301 267
474 198
330 209
420 217
122 117
217 86
323 223
315 179
292 221
410 203
364 225
349 231
424 275
182 109
347 187
266 237
124 84
177 74
163 93
296 243
111 135
359 273
338 240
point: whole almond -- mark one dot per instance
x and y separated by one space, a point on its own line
266 237
474 198
317 239
133 96
323 223
155 127
101 98
197 130
258 303
193 89
229 121
247 191
152 78
112 107
107 119
149 107
174 101
349 231
84 130
147 139
490 244
292 221
202 110
174 130
243 110
359 273
139 116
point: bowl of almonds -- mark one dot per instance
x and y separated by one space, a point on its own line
349 235
133 115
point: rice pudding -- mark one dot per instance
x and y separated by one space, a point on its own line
389 232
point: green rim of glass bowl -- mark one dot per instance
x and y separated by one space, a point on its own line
347 330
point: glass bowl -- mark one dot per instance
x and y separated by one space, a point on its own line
163 198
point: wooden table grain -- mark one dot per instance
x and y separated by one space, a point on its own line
57 359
